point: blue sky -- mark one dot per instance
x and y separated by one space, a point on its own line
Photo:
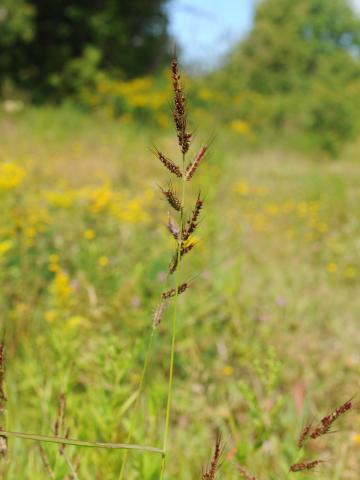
205 29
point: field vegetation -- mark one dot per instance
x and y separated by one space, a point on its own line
267 349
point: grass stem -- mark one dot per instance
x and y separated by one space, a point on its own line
174 323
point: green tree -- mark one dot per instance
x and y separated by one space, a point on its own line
127 36
301 63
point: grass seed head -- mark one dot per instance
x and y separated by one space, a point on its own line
192 223
212 469
193 166
303 466
179 110
169 164
327 421
304 435
159 313
172 292
173 228
171 196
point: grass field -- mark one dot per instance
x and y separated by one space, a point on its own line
268 334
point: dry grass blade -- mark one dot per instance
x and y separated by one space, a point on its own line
80 443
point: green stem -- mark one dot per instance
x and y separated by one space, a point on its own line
174 322
70 466
80 443
133 417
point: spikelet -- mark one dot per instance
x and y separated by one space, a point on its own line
184 249
171 196
169 164
211 471
327 421
193 166
179 110
172 292
159 313
192 223
173 228
304 435
245 474
45 461
59 424
303 466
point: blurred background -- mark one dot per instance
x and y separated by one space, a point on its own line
268 333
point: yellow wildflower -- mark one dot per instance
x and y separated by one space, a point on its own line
76 321
356 438
89 234
11 175
61 287
103 261
243 188
5 246
228 370
30 232
322 227
331 267
272 209
101 198
350 272
240 126
53 262
64 199
50 315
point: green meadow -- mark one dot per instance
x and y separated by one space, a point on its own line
267 337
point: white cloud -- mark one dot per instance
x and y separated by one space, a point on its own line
356 4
